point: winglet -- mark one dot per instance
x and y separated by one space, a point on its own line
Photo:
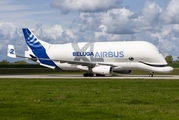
11 51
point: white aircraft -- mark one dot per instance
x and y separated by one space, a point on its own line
101 58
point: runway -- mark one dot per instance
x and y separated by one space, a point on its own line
81 76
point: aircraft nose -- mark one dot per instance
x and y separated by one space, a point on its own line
168 69
171 69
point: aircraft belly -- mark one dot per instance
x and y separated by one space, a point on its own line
65 66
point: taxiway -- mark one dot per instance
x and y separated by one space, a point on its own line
106 77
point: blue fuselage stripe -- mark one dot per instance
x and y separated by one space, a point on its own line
41 53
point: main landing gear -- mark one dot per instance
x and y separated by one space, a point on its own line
88 74
151 74
91 75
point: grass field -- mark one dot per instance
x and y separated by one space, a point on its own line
66 99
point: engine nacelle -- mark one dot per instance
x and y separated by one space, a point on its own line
124 71
103 70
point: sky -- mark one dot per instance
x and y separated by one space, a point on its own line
72 21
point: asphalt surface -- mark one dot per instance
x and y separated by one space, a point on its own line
106 77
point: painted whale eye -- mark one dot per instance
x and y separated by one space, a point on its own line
131 58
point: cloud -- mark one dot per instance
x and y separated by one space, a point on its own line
122 20
171 14
67 6
56 34
9 5
99 22
11 35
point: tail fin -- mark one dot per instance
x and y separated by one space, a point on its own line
31 40
11 51
38 47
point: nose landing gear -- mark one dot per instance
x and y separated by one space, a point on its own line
151 74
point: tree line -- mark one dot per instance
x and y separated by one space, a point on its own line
169 59
6 62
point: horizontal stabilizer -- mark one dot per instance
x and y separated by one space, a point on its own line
11 51
48 66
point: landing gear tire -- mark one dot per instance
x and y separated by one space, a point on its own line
88 74
151 74
85 74
91 75
99 75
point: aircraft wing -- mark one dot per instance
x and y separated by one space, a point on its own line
83 63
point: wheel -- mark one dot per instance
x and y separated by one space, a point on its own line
91 75
85 74
151 75
103 75
88 75
98 75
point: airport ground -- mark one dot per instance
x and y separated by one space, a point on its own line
124 99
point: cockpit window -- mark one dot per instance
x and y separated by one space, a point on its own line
159 52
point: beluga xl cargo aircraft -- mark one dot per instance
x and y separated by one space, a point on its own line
101 58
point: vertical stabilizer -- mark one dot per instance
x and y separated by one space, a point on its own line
31 40
11 51
37 47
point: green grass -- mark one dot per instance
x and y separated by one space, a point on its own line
66 99
174 65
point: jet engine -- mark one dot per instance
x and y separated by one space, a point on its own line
103 70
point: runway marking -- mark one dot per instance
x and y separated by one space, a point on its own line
106 77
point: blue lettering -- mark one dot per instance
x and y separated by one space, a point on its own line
83 53
101 53
11 51
78 53
116 55
91 54
87 53
105 54
97 55
110 54
121 54
74 53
